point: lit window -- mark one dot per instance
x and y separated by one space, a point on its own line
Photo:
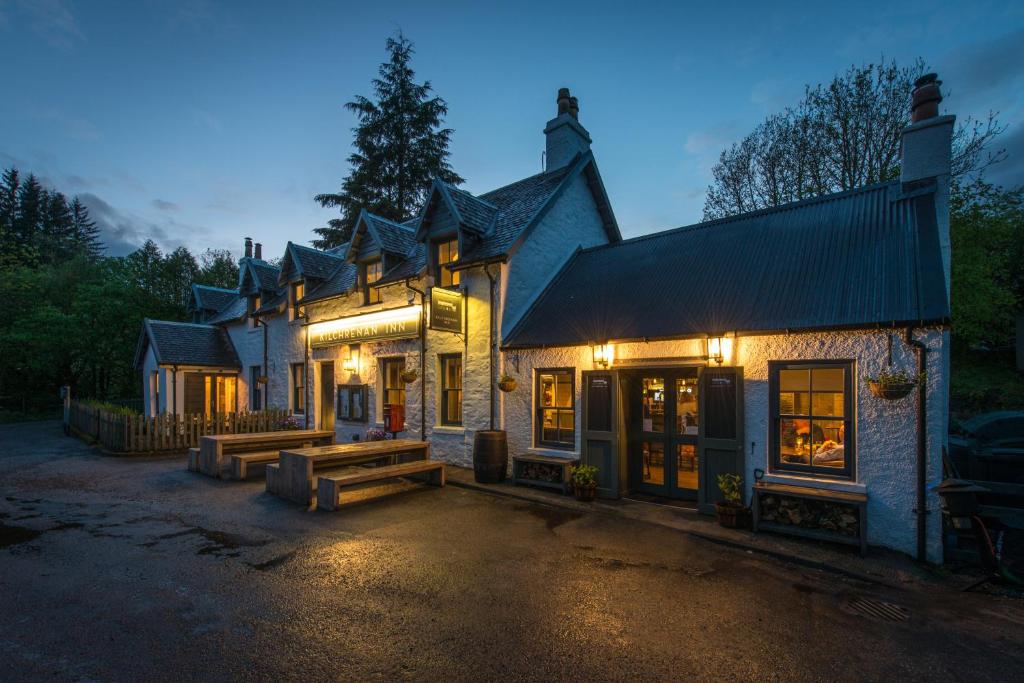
445 254
812 415
393 387
372 272
298 291
298 388
451 389
255 302
555 399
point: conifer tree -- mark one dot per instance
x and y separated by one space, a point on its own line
400 148
86 233
28 219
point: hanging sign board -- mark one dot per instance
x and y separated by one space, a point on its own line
394 323
447 307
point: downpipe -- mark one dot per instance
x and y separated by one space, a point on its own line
423 359
921 509
490 347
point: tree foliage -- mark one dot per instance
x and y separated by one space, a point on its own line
400 147
840 136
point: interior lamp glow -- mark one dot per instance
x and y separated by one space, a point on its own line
603 354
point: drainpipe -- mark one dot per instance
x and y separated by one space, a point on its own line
305 372
423 360
174 390
490 347
265 389
922 444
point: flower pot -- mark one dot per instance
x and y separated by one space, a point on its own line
508 385
732 515
585 493
409 376
891 391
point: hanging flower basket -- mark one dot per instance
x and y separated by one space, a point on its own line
409 376
893 386
507 383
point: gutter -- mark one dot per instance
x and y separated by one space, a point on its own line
921 509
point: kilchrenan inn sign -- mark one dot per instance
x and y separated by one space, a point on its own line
394 323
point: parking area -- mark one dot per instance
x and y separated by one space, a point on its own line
135 569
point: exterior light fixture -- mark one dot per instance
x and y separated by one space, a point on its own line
351 364
715 349
602 354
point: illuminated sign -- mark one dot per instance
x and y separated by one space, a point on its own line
394 323
446 307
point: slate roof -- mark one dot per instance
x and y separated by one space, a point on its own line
861 258
313 262
395 238
233 312
476 214
176 343
266 274
209 298
341 281
412 267
273 303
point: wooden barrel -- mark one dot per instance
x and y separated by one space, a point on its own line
490 456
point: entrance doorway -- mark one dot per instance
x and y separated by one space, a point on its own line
663 432
327 395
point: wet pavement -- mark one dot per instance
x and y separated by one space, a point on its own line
134 569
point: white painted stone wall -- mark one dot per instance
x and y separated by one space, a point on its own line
886 434
285 345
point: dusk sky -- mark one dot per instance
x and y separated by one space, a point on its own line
199 123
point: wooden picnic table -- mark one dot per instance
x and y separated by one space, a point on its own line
213 447
294 477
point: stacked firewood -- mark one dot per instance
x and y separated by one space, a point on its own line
539 471
810 514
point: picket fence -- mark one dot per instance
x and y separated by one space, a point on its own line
123 433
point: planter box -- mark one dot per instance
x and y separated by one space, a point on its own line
544 471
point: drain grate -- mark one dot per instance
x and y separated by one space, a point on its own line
878 609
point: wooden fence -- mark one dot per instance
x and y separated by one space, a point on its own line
122 433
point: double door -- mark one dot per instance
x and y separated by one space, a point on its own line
664 432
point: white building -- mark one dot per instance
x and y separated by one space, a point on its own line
742 345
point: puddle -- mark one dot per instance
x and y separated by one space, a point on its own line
13 535
553 517
219 541
273 562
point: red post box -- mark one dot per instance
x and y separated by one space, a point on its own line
394 417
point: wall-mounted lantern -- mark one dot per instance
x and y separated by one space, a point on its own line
351 364
603 354
719 349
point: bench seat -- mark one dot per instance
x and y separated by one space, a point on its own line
240 462
193 460
329 485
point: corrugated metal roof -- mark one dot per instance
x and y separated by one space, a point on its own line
858 258
176 343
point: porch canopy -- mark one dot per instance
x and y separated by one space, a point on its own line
864 258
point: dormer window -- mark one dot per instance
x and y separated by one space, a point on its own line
445 254
371 272
298 291
255 301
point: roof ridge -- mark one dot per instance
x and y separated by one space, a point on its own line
475 197
216 289
382 219
182 324
561 169
800 203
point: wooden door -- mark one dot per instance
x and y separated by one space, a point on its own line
720 445
327 395
600 439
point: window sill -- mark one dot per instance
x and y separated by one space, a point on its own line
448 429
567 453
814 481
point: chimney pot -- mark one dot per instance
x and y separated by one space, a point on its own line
925 98
564 101
248 247
574 108
259 251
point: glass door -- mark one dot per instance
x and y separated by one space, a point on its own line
663 433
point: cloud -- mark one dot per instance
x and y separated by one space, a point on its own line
164 205
123 231
712 139
1009 173
975 70
74 127
53 21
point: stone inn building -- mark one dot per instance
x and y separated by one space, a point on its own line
740 345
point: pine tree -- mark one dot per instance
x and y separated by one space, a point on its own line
56 229
400 149
10 183
86 233
28 219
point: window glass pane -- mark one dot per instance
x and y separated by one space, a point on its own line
686 406
653 404
827 403
794 380
547 390
565 420
563 391
686 466
794 441
653 465
827 379
827 442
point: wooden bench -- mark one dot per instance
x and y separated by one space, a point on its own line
532 469
193 460
844 498
240 462
329 485
213 448
294 477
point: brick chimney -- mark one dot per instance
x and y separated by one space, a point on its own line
259 251
927 154
248 247
565 136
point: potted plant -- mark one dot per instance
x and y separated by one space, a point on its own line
290 423
409 375
584 482
731 512
893 386
507 383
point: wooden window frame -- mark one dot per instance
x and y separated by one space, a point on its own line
446 420
384 388
297 310
255 301
298 390
538 434
371 295
849 418
441 268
